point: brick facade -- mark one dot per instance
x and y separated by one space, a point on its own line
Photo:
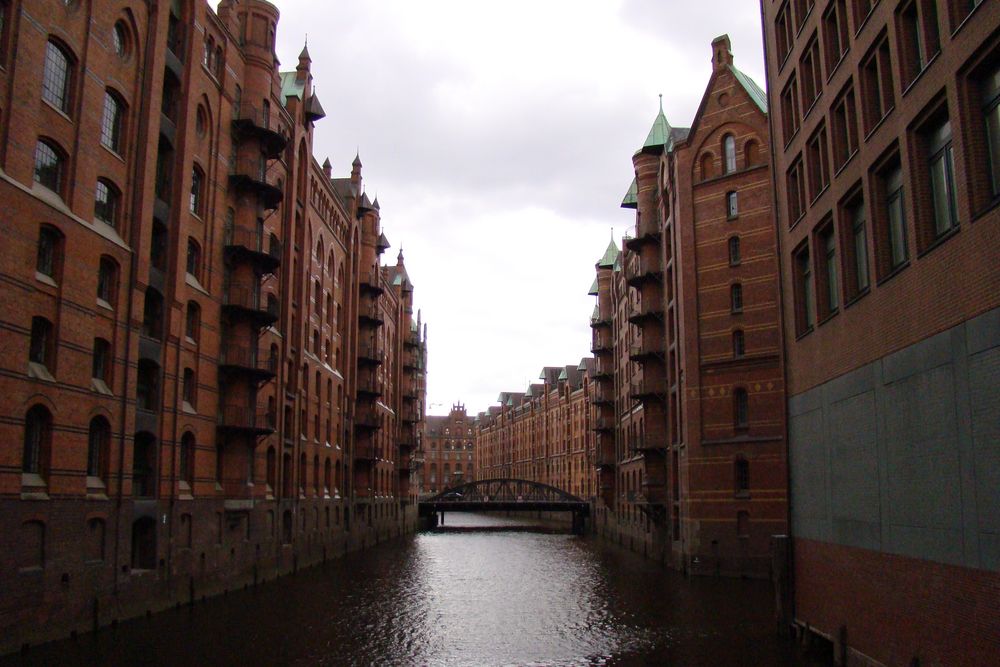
449 450
208 376
886 214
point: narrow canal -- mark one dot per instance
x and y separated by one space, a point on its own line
495 597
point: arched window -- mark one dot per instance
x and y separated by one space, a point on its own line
741 475
729 151
158 247
270 472
189 388
57 77
192 322
144 544
303 464
286 475
147 385
739 344
98 444
734 250
152 314
50 165
741 408
42 347
327 476
197 199
143 465
751 153
101 366
48 258
120 40
112 122
736 298
107 280
37 441
316 475
107 202
185 467
194 258
706 166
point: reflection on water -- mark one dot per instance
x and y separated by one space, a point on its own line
458 599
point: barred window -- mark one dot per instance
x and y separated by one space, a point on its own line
48 166
111 122
106 200
56 77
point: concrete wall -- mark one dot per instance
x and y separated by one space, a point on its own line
902 455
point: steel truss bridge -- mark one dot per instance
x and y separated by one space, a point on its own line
505 495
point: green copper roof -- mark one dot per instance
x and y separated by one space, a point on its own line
755 92
593 288
631 199
290 87
659 134
596 315
610 255
563 375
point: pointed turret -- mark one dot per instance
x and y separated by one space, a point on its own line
327 168
722 53
607 261
302 70
659 135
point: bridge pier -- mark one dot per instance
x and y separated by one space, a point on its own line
579 523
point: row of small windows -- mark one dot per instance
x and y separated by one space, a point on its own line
931 178
751 157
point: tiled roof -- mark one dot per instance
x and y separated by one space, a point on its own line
593 288
607 261
631 199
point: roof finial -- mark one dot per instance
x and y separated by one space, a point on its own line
661 102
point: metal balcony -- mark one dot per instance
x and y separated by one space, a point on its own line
601 322
367 419
251 121
647 388
411 340
235 358
252 245
410 415
648 348
601 343
253 176
603 396
648 232
646 312
367 451
640 271
651 443
369 386
370 314
370 353
245 419
244 298
604 424
601 373
371 283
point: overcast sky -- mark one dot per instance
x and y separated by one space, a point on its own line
498 137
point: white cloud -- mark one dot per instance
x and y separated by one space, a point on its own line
498 137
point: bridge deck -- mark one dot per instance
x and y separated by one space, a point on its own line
427 507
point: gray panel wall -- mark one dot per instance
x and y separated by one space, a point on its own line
903 455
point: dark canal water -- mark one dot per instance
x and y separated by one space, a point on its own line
468 598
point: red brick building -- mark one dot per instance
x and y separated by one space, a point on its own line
208 376
887 176
689 391
542 435
448 449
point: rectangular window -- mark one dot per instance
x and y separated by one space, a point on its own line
854 241
802 9
891 236
826 249
862 8
835 37
790 109
796 190
101 366
876 83
783 36
941 172
990 86
732 205
805 302
812 77
844 122
916 28
819 163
